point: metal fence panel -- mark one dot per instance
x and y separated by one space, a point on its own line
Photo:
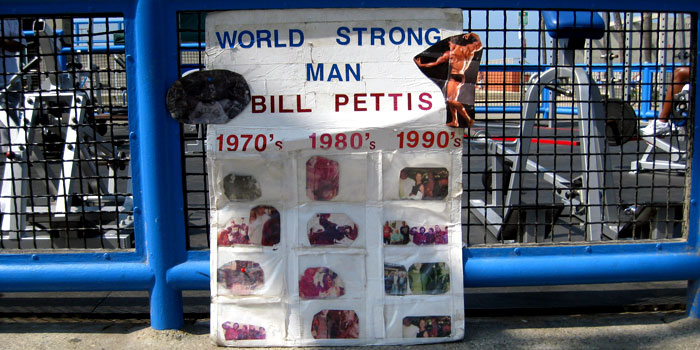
161 262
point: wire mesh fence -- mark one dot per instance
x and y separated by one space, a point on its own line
592 145
568 146
191 58
64 134
563 149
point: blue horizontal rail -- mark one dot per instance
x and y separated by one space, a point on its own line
580 264
483 267
162 265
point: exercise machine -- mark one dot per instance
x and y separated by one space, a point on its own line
59 110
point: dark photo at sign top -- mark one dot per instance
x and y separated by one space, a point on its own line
453 65
208 97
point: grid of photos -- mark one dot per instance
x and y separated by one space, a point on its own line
327 286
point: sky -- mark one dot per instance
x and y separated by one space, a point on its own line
503 27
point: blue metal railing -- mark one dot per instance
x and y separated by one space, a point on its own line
160 262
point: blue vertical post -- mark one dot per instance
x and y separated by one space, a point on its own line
646 91
552 110
547 106
158 137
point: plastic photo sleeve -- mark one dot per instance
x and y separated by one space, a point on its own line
423 183
247 273
331 229
249 325
417 176
241 277
335 324
235 331
395 279
331 225
400 233
427 278
322 178
332 177
435 326
417 224
320 283
434 319
238 225
332 322
331 276
246 179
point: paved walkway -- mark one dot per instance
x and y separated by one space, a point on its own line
615 316
654 330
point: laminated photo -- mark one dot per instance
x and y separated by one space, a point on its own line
261 227
320 283
422 278
429 278
335 274
243 178
332 225
426 326
241 187
331 229
418 176
395 280
248 325
322 178
400 233
423 183
335 324
235 331
332 177
242 274
436 317
241 277
208 97
235 233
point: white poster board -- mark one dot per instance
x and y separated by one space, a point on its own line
336 192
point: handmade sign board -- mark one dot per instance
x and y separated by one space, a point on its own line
336 193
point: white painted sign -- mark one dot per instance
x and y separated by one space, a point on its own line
336 192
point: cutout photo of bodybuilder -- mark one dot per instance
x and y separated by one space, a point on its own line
453 64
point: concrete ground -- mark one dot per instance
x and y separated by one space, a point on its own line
615 316
648 330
